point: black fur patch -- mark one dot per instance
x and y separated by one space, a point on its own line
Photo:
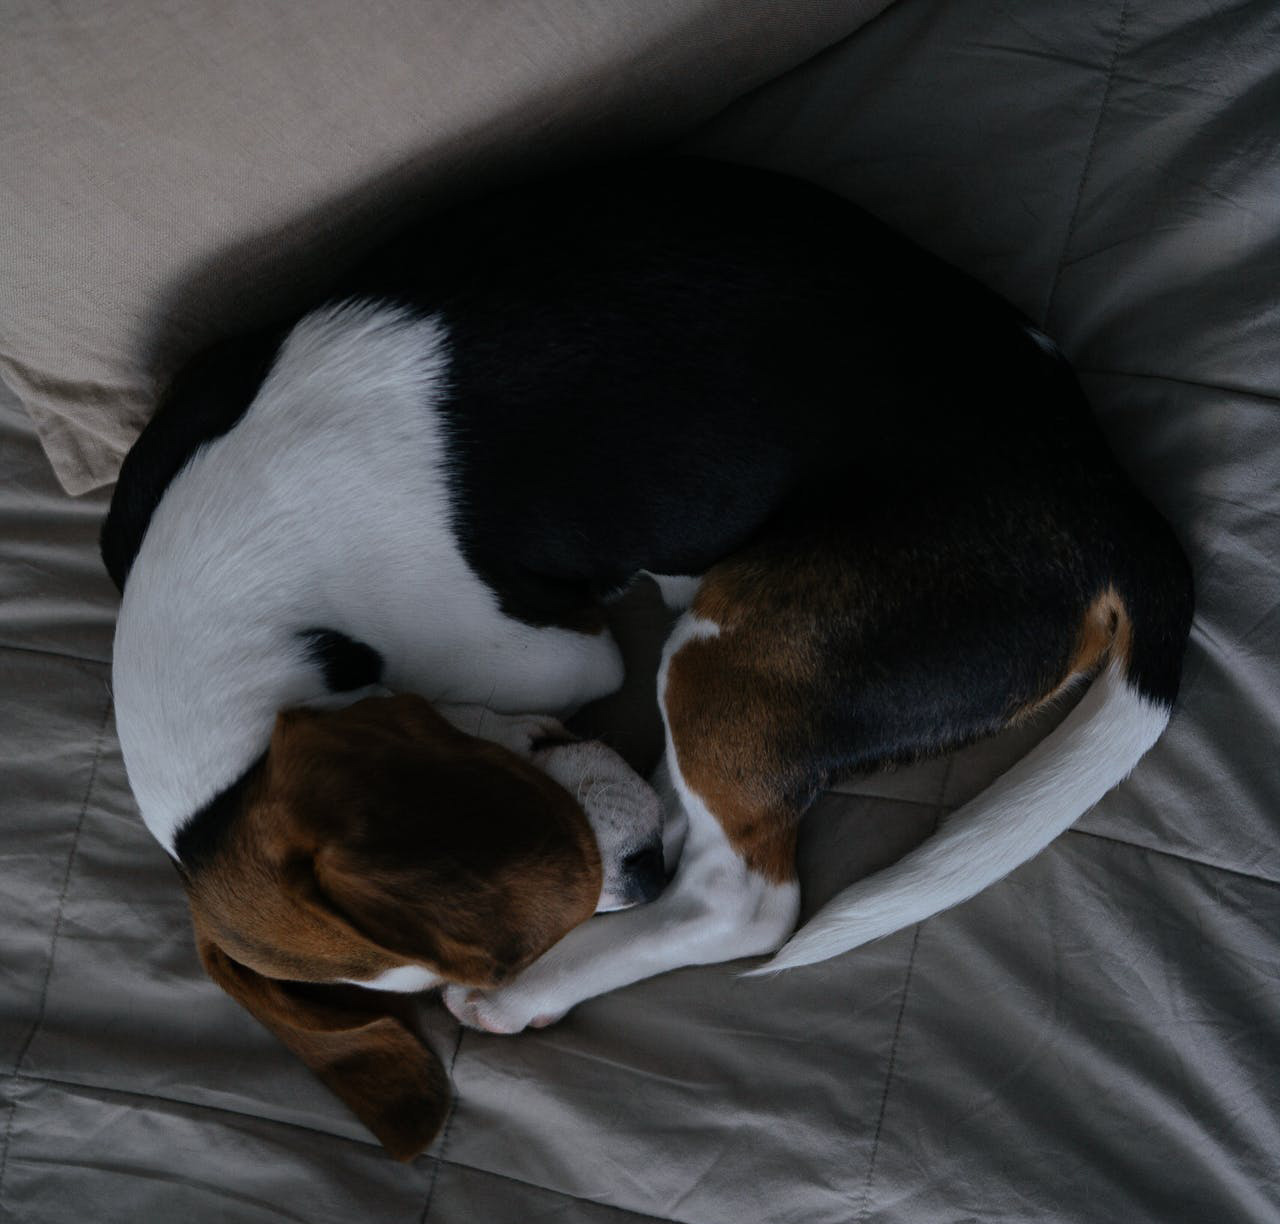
651 363
206 399
200 838
346 663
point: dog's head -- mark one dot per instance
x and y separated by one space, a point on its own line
377 845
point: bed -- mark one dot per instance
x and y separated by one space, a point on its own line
1095 1039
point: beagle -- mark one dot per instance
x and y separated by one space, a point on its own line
875 492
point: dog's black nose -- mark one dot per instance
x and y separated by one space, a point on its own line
644 873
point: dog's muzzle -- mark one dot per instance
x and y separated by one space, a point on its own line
644 875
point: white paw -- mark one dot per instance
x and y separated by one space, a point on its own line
502 1011
522 733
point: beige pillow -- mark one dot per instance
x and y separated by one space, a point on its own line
176 171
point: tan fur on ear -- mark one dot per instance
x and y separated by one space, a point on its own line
374 838
428 844
361 1043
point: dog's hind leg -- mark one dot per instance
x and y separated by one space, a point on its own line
923 622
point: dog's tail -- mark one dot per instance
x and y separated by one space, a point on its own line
1098 744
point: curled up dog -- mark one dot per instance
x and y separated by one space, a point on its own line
874 491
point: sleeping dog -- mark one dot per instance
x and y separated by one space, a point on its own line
874 490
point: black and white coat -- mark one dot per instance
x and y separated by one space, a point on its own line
431 482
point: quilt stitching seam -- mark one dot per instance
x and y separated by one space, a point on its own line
57 931
1189 859
1195 383
9 647
801 65
159 1098
524 1181
1186 859
444 1133
865 1211
1086 164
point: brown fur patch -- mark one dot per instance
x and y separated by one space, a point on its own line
379 835
362 1044
1105 633
801 630
375 837
735 704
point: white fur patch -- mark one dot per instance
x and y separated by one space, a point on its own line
1041 341
677 590
327 505
403 979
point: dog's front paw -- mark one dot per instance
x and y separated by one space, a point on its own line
530 733
504 1011
523 734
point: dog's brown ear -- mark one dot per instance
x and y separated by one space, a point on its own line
361 1043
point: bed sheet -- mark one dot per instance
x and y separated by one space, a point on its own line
1094 1039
